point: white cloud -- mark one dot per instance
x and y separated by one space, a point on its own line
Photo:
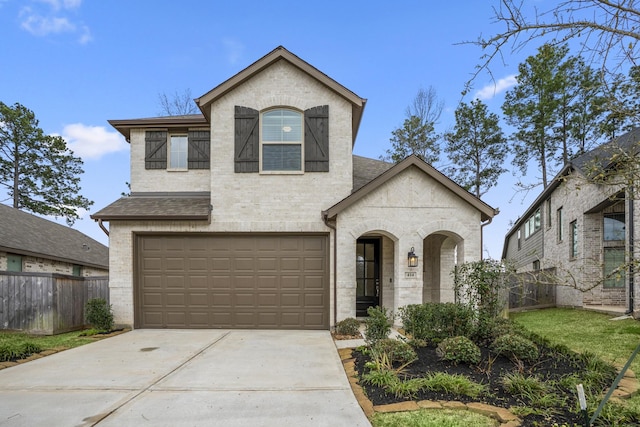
42 23
92 142
493 89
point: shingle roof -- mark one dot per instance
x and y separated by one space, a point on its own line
157 206
26 234
602 154
366 170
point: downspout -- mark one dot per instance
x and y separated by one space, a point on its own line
103 227
484 224
335 267
631 256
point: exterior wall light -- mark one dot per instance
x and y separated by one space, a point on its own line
412 258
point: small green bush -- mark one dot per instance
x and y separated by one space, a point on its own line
99 315
397 351
489 328
10 351
437 321
459 350
516 347
377 326
348 326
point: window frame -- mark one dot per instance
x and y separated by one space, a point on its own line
559 224
614 282
573 247
262 142
16 258
170 137
533 224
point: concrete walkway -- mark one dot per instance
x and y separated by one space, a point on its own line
185 378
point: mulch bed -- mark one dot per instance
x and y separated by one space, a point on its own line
550 366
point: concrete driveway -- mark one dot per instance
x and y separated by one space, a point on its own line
185 378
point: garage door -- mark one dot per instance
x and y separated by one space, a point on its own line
232 281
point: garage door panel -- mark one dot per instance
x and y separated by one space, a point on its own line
232 281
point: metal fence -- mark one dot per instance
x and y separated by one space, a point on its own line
47 303
532 289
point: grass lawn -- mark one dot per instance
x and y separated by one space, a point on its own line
14 343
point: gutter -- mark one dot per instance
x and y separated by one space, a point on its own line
335 266
482 226
103 227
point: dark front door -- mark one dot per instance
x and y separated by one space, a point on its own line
367 275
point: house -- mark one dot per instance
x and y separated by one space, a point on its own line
29 243
256 213
584 231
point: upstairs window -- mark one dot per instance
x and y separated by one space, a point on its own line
560 224
614 227
533 224
178 152
281 141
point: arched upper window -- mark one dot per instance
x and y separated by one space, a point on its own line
281 140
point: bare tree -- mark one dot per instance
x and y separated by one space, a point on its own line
179 104
608 30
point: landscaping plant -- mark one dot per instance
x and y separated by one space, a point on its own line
98 314
348 326
377 326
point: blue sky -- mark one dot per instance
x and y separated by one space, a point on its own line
78 63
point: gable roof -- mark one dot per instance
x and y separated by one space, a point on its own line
281 54
165 122
486 211
26 234
601 155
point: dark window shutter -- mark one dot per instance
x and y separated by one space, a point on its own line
155 150
247 140
199 149
316 139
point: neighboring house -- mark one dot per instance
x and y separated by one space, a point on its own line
256 213
32 244
584 231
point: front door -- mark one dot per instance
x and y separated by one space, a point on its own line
367 275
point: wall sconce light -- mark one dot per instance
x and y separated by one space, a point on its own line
412 258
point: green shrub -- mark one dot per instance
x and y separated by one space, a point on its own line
377 326
348 326
396 350
516 347
437 321
21 350
489 328
99 315
459 350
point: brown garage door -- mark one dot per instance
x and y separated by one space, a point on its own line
232 281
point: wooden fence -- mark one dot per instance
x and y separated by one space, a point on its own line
532 289
47 303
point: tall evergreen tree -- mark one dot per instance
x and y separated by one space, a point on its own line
417 134
477 147
39 172
533 107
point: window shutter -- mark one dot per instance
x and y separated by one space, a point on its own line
199 149
316 139
155 150
247 140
